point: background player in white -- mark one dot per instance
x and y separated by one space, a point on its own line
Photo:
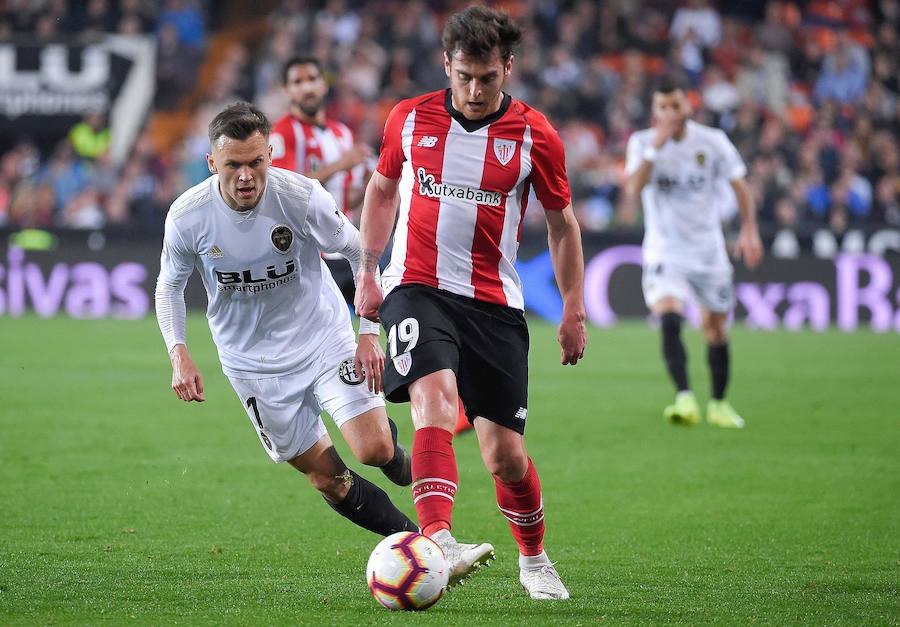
281 327
674 166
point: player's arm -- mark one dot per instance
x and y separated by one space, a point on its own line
376 223
748 246
334 233
564 240
176 265
551 187
358 153
730 165
640 157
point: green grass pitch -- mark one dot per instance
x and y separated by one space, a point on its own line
121 504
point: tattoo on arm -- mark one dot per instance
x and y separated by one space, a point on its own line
369 260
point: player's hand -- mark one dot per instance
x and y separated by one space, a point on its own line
359 153
368 296
572 338
370 360
666 125
187 382
749 247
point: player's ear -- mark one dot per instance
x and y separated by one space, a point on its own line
509 63
212 164
446 64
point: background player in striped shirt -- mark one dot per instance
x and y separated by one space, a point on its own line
463 161
282 329
306 141
677 167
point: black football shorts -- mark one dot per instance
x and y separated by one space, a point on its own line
484 344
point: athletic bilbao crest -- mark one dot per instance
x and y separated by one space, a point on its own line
403 363
504 149
282 238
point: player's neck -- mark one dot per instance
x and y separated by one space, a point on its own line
318 119
495 106
682 132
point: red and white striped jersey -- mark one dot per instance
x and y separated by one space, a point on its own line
304 148
464 186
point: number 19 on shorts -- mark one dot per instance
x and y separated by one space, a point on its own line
406 331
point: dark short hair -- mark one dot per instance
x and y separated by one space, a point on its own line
239 121
669 84
476 31
298 60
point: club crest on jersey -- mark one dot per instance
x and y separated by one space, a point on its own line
282 238
701 158
504 149
348 374
403 363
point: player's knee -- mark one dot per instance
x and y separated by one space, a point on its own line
715 333
437 408
508 468
376 453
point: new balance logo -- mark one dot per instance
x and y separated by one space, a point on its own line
215 252
522 414
427 141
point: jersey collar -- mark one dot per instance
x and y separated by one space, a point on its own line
473 125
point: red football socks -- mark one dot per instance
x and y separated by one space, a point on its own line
523 507
435 478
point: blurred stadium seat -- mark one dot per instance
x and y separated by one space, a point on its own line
808 91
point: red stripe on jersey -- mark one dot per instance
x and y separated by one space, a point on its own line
501 178
431 121
312 149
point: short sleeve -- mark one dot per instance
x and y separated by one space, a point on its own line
326 223
730 164
176 263
633 154
391 158
548 168
284 149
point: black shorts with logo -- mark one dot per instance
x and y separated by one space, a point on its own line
486 345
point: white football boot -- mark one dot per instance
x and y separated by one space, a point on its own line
463 560
540 579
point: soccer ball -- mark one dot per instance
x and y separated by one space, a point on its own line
407 571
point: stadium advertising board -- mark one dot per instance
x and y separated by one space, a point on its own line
46 88
87 277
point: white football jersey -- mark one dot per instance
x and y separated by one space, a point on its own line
681 202
273 304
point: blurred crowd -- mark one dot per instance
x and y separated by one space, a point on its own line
808 91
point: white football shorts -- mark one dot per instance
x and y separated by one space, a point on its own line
285 411
713 290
